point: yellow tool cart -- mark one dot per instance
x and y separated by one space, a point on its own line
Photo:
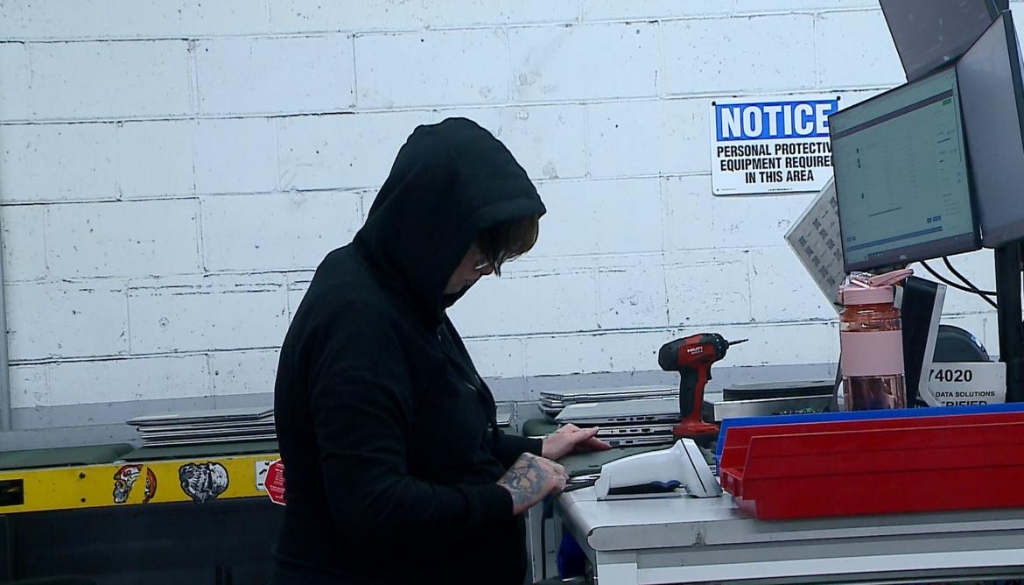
116 514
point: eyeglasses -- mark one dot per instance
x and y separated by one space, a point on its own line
482 264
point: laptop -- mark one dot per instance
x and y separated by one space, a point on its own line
642 410
204 416
566 397
633 430
639 441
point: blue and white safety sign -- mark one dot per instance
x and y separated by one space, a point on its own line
777 146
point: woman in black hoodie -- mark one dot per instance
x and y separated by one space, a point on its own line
395 469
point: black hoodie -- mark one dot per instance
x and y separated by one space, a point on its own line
387 432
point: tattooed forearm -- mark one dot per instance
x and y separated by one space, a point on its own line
530 479
525 480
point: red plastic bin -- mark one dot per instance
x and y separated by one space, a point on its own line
925 464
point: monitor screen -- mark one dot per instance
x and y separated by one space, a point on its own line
901 176
989 76
930 33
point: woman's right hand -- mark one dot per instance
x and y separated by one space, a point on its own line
530 479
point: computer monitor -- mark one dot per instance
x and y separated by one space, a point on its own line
992 99
928 34
902 182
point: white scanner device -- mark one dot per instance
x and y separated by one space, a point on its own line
659 473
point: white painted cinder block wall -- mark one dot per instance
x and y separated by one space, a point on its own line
171 171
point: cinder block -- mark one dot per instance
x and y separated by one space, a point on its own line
782 290
756 221
129 379
588 353
298 284
134 19
560 63
689 213
28 386
442 13
649 138
725 56
527 304
235 156
342 151
67 320
24 245
548 141
314 15
768 6
57 162
155 158
242 75
708 287
600 217
432 68
861 38
243 372
110 80
781 344
615 10
497 357
14 79
631 297
207 313
136 238
260 232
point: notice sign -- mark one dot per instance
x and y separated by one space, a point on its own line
771 147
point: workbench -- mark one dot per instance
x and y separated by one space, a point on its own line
682 539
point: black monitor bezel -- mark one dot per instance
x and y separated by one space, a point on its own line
902 257
998 237
934 65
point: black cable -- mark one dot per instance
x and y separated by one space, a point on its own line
963 279
948 282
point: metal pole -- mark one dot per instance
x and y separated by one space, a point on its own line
1011 334
5 378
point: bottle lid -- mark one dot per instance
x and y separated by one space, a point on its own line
865 289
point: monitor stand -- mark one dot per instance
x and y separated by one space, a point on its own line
1011 331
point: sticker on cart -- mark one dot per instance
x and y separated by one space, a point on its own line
275 483
965 383
262 466
204 481
125 479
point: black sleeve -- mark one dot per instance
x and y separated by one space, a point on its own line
361 411
508 447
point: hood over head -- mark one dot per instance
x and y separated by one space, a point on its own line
450 181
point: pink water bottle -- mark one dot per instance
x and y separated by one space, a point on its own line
871 341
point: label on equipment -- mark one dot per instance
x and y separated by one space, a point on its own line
963 383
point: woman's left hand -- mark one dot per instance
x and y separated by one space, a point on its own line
572 439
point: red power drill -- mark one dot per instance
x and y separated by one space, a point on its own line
692 357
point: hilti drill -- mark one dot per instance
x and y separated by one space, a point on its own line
692 357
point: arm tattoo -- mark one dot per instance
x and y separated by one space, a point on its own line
525 480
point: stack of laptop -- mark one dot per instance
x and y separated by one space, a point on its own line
631 422
553 401
206 427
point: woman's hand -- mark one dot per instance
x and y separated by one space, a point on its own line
572 439
531 479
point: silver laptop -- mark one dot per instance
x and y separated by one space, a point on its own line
204 416
642 440
566 397
631 430
643 410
